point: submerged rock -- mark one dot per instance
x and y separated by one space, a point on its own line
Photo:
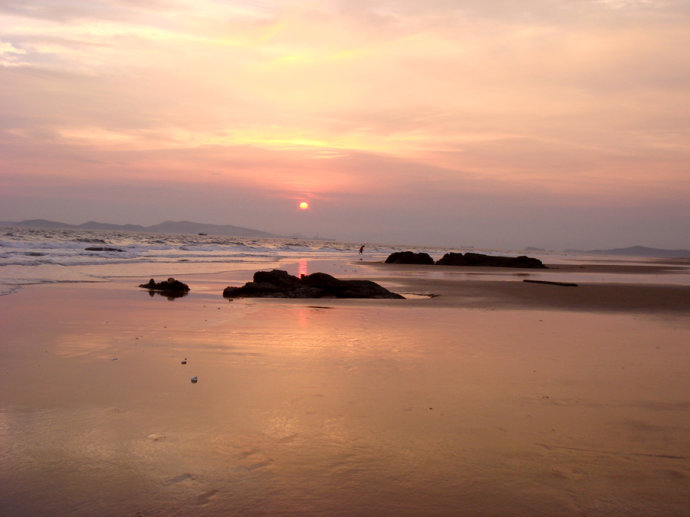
409 257
103 248
169 287
280 284
479 259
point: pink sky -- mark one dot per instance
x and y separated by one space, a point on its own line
494 124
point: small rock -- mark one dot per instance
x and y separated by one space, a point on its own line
169 286
184 361
194 380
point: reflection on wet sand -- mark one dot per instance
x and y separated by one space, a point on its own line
346 408
169 295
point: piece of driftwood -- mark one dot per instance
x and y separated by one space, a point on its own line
564 284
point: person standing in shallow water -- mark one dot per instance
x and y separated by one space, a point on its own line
361 251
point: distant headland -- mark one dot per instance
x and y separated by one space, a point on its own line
637 251
171 227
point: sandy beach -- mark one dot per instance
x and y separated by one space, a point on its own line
491 397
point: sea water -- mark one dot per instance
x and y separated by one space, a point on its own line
34 255
39 255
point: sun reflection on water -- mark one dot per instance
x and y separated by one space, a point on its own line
302 269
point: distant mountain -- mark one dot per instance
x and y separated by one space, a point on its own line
93 225
211 229
36 223
173 227
639 251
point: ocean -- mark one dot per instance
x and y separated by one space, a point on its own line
36 256
41 256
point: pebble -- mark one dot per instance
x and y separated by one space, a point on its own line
184 361
194 380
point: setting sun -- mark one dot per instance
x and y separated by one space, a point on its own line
304 205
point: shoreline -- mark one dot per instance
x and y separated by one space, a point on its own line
504 288
467 287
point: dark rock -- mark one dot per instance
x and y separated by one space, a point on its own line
101 248
279 284
169 287
409 257
479 259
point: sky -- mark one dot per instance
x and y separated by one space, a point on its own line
496 124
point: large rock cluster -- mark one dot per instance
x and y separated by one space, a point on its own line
466 259
279 284
479 259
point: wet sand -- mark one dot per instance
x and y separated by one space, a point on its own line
500 294
493 398
504 288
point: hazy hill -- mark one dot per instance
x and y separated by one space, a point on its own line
211 229
93 225
639 251
172 227
36 223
